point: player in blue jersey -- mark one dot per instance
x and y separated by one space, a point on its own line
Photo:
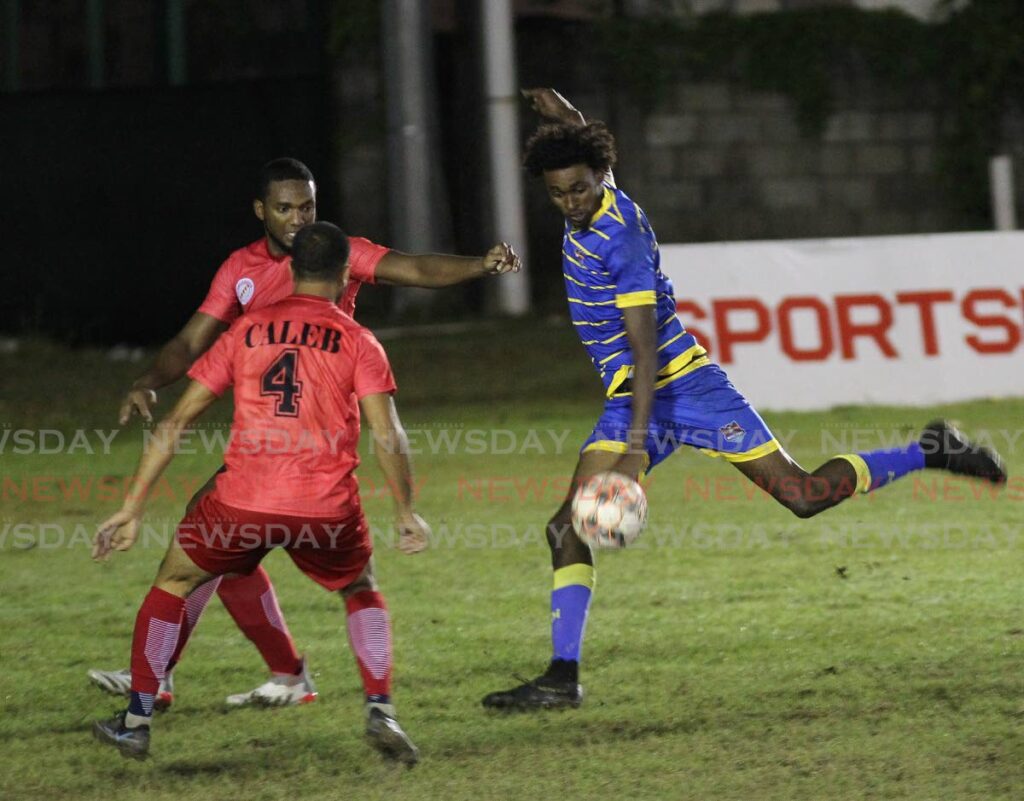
662 390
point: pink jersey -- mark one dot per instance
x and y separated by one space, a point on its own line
251 278
299 367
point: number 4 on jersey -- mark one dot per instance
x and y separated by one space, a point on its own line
280 379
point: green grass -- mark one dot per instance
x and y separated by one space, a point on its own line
734 652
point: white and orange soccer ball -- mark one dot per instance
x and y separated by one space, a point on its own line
609 510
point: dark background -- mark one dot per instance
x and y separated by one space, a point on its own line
121 199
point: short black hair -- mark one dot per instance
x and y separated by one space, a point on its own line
283 169
560 145
319 251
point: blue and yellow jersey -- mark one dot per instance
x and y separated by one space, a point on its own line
609 266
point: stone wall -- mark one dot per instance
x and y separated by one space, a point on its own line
718 162
711 161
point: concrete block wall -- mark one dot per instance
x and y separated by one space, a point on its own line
720 162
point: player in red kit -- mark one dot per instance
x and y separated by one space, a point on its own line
250 279
302 371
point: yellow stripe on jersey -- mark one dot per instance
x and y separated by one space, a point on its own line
570 258
682 365
860 467
577 244
588 286
575 574
604 341
607 359
609 445
669 342
587 322
608 207
747 456
629 299
592 302
682 360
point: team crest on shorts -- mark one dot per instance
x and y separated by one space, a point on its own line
244 289
732 432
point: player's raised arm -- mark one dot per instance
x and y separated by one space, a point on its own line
553 106
434 270
392 448
119 531
171 363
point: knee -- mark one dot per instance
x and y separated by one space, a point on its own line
559 529
803 507
365 582
177 583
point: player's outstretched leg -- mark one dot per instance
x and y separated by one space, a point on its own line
946 448
252 602
119 682
941 447
574 578
369 635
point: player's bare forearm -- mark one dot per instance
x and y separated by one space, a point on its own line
177 356
436 270
391 446
172 362
641 331
159 447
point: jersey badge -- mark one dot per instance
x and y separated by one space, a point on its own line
732 432
244 289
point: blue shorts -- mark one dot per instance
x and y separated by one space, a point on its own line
703 410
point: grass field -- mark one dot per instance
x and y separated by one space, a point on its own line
734 653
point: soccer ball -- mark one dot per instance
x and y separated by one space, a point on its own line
609 510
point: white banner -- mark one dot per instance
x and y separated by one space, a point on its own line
887 320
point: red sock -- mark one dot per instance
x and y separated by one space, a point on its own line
253 604
369 634
194 606
156 633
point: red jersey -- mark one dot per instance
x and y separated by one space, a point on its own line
299 367
251 278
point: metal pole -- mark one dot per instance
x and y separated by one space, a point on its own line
177 52
1004 211
498 29
12 71
411 162
94 31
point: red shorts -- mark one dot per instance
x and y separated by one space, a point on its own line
223 539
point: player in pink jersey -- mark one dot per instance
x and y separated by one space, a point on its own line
250 279
302 370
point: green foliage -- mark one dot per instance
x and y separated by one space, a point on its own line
969 67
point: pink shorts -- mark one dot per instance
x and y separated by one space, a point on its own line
223 539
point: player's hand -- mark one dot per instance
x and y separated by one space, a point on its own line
553 106
137 400
413 533
502 259
116 533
